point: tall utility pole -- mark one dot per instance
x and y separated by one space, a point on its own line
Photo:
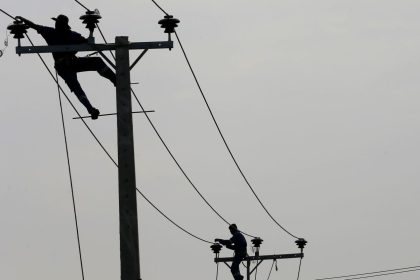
129 240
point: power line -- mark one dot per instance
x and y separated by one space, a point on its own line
170 220
225 142
81 5
70 177
367 273
103 148
7 14
384 274
300 266
167 147
157 5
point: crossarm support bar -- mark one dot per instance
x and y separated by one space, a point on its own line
265 257
93 47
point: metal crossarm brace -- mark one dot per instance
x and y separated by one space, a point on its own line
138 58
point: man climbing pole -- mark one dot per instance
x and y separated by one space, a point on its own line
237 243
68 64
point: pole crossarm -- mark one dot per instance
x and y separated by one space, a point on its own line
265 257
94 47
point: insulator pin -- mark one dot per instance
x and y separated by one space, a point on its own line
256 242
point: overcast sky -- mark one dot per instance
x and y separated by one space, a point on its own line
317 98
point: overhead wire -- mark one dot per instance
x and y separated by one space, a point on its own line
70 176
414 268
384 274
167 147
300 266
224 139
103 148
7 14
271 269
157 5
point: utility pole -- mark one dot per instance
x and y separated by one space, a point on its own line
129 240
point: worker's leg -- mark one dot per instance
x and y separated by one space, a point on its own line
235 267
70 77
82 64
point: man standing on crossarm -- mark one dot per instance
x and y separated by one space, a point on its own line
238 244
68 64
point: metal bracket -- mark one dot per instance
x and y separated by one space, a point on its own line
138 58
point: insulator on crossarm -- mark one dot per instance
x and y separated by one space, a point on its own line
256 242
91 18
169 23
216 247
301 243
18 29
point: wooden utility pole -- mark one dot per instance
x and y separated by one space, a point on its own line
129 237
129 241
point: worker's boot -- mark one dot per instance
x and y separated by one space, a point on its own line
94 113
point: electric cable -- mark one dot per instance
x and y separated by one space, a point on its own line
107 153
367 273
271 269
157 5
170 220
70 177
168 149
300 266
153 205
384 274
7 14
224 140
217 271
81 5
223 137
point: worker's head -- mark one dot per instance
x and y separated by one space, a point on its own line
61 22
233 228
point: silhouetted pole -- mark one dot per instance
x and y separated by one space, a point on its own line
129 239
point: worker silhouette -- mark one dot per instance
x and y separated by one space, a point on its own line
237 243
68 64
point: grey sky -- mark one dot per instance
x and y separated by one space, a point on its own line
318 100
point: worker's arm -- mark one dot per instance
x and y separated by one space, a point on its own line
27 22
227 243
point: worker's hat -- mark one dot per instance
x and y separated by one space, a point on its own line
62 21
